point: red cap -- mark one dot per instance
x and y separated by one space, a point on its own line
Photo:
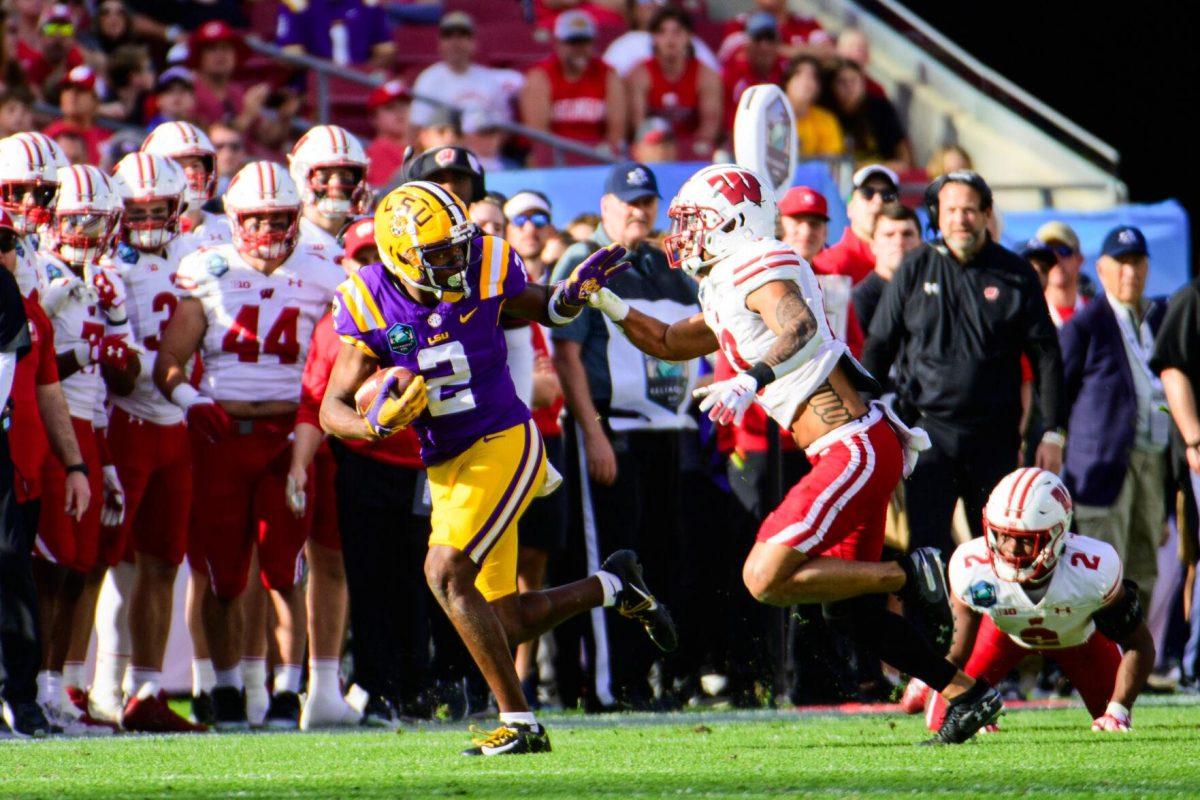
360 234
212 32
804 200
395 89
81 77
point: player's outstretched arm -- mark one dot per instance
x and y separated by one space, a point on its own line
680 341
339 416
1122 621
966 626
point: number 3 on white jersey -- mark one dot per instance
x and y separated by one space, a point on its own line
449 384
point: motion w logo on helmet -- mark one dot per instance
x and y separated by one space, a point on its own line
737 186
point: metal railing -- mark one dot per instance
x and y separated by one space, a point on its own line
323 70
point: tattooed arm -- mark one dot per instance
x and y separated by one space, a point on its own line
783 309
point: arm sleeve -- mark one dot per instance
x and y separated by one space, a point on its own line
1041 345
1176 343
321 354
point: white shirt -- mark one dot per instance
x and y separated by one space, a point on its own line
1086 578
1152 425
214 229
320 240
633 47
479 88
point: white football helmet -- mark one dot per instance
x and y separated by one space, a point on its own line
718 209
263 187
87 214
1032 506
28 182
330 146
179 140
144 179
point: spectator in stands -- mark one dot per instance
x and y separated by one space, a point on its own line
272 132
350 33
580 229
1116 463
897 233
230 144
170 22
79 106
488 214
555 248
817 129
530 228
947 158
760 61
654 142
52 52
872 128
11 75
442 128
573 93
674 85
455 169
853 45
16 111
799 36
74 146
389 104
130 82
112 28
484 136
1041 257
174 97
457 81
874 187
635 45
1063 290
214 52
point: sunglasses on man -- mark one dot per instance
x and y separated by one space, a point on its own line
1062 250
540 219
59 29
888 195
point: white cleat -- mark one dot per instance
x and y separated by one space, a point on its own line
328 711
258 699
106 709
76 724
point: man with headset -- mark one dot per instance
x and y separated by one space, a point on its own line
962 311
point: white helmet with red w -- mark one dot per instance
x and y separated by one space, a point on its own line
1033 507
329 146
184 142
152 188
28 182
717 210
86 214
258 189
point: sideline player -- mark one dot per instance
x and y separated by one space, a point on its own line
249 308
191 148
434 306
1028 586
762 308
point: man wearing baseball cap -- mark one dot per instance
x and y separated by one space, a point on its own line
214 52
1116 477
80 102
46 57
529 228
389 104
1065 287
455 169
1040 256
874 186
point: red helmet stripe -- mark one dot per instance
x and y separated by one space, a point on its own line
141 171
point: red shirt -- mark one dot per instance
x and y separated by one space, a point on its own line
27 437
578 107
677 101
546 417
37 68
399 450
739 76
210 108
795 31
386 156
92 137
851 256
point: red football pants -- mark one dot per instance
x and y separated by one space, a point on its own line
62 540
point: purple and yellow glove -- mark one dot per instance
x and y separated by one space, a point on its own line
390 412
589 277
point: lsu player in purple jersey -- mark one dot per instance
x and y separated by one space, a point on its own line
434 306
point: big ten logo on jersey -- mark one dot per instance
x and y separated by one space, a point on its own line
280 340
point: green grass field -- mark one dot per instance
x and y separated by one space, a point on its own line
769 754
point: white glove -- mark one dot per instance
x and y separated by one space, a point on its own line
728 399
112 513
607 301
1116 719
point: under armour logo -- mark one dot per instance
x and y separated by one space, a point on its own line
931 287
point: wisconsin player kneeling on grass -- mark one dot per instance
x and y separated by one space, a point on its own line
762 307
433 307
1029 586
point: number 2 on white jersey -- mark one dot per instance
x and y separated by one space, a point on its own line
447 379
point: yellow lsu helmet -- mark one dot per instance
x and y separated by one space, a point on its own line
424 237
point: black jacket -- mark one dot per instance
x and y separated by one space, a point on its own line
963 328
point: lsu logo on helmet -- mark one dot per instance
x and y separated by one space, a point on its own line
424 237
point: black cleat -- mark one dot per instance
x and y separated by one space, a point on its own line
980 706
27 720
378 713
926 596
229 710
284 711
203 712
636 602
510 739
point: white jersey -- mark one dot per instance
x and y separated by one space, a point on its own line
320 240
1086 578
72 305
214 229
153 296
259 326
745 338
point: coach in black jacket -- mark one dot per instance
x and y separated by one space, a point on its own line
965 309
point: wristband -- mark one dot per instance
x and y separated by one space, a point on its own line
1117 710
185 396
556 299
81 468
763 374
1055 437
609 304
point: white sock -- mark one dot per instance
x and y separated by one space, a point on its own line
518 717
254 671
49 687
114 642
146 681
72 674
611 585
323 677
231 677
204 678
110 673
287 678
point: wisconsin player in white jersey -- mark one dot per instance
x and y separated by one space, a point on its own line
1028 586
329 167
762 307
191 148
85 302
249 308
28 186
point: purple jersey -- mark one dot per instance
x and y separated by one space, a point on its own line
458 347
